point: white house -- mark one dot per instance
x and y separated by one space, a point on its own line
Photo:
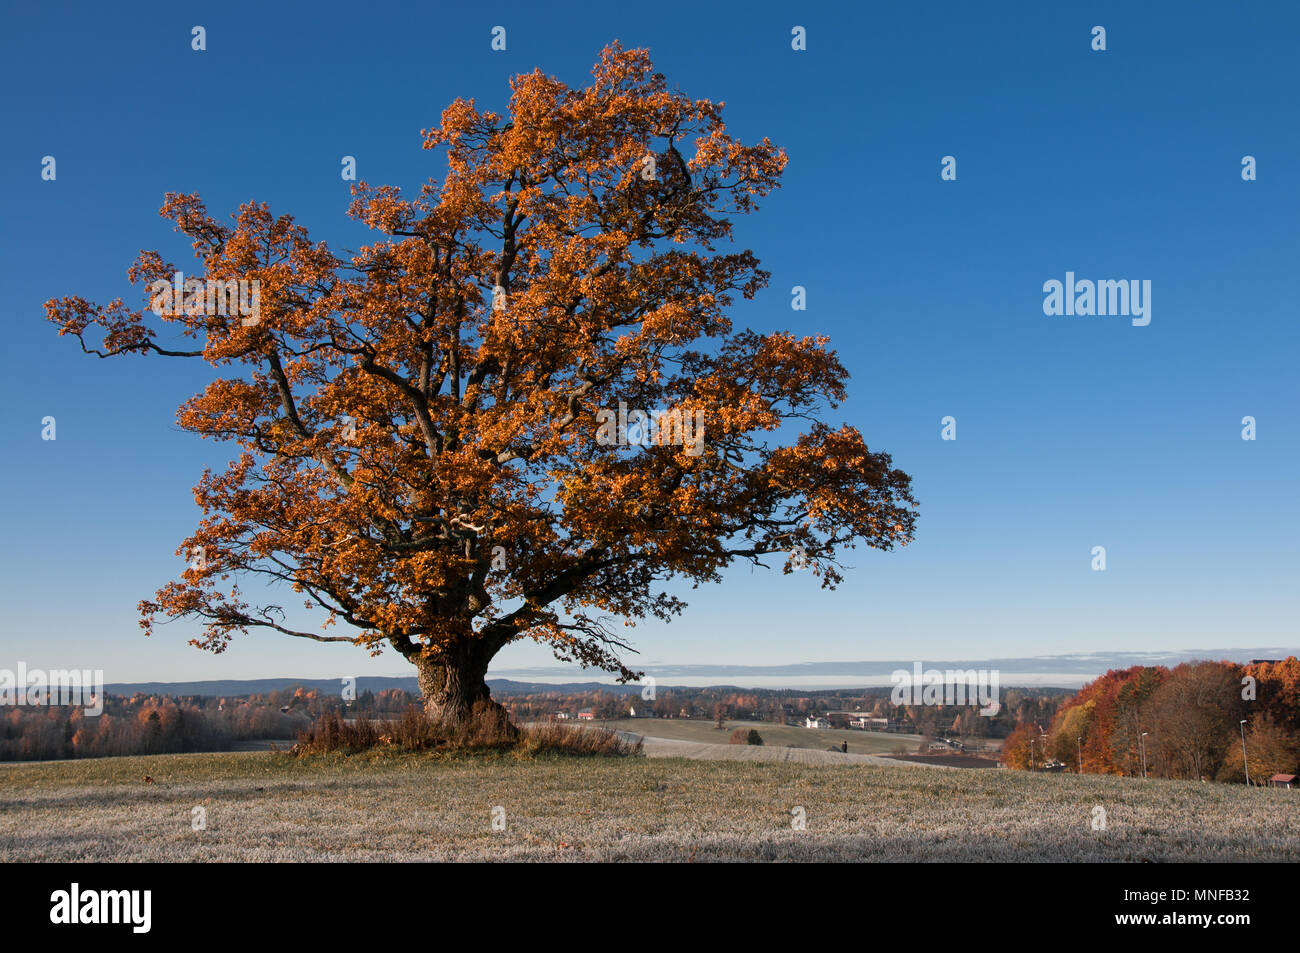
815 721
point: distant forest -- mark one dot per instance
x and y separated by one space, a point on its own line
155 724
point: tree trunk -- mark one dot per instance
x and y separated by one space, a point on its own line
455 691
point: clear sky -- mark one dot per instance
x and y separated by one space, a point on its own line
1072 432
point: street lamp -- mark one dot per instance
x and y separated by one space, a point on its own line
1031 754
1143 740
1244 763
1079 742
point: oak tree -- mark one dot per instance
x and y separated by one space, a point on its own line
438 439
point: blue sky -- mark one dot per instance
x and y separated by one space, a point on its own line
1072 432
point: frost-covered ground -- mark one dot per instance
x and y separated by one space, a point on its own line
264 806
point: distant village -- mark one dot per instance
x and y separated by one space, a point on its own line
831 719
858 710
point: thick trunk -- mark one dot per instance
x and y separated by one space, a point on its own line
455 690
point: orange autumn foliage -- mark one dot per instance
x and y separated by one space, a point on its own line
1187 718
417 422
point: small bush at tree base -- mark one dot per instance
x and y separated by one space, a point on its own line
567 739
488 729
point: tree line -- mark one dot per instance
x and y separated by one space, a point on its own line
156 724
1203 720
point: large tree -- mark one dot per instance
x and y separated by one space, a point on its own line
425 446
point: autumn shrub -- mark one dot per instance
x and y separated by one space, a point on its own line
567 739
488 728
330 732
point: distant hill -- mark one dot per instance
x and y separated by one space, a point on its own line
1061 672
235 688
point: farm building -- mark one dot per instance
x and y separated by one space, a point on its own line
1282 781
868 723
586 715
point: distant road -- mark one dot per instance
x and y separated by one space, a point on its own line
263 744
701 751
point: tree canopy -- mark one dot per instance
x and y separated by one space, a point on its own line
418 423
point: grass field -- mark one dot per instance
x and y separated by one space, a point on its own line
264 806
